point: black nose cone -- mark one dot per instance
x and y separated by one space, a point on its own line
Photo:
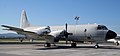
110 35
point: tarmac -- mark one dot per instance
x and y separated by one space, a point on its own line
59 50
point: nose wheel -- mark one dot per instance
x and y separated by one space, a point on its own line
117 43
96 46
47 45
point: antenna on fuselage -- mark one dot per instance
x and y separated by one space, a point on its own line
76 19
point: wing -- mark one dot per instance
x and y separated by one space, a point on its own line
51 37
20 30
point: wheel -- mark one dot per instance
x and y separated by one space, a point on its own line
47 45
21 40
96 46
73 44
31 40
81 41
117 43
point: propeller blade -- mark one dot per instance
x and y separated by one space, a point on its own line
66 27
66 33
66 40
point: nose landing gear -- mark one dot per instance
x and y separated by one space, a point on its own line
117 43
47 45
96 46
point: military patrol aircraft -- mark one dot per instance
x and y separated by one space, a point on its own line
76 33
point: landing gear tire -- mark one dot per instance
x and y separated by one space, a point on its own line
73 44
117 43
21 40
47 45
96 46
31 40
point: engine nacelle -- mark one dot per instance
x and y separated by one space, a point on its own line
57 35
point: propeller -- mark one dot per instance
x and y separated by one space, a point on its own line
66 30
66 33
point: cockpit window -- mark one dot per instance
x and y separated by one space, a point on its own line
102 27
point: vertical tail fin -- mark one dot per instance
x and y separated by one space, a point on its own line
24 21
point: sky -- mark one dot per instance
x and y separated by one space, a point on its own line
59 12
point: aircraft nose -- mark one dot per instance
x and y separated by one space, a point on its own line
110 35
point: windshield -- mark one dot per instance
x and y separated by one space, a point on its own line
102 27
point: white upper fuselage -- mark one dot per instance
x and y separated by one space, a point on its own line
88 32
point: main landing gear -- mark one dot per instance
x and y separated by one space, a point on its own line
73 44
21 39
48 44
